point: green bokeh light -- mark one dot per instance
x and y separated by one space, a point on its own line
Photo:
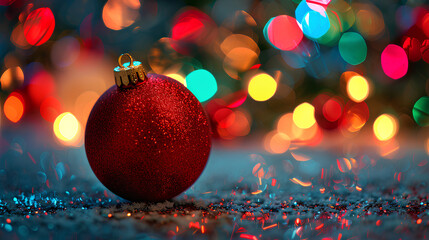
352 48
421 111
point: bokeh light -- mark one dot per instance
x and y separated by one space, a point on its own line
232 123
276 142
202 84
283 32
14 107
332 110
369 20
66 127
394 61
118 14
427 146
11 78
262 87
355 116
352 48
328 110
312 19
192 26
421 111
83 105
50 109
357 88
385 127
42 85
303 115
412 47
177 77
6 2
241 59
39 26
65 51
286 125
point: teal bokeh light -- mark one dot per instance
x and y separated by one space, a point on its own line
202 84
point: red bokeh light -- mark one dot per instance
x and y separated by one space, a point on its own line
328 110
284 32
332 110
191 27
39 26
412 48
6 2
42 85
50 109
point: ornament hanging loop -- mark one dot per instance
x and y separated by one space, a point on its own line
130 73
129 56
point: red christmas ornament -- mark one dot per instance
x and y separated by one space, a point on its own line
148 137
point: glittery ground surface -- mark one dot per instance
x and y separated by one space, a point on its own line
383 199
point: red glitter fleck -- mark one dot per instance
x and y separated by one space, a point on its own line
248 236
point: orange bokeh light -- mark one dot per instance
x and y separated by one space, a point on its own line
14 107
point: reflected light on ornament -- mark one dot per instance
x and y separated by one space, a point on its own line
357 88
14 107
10 77
67 128
303 115
385 127
262 87
177 77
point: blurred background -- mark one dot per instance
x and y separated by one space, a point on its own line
278 79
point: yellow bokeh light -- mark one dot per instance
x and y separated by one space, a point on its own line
262 87
303 115
177 77
66 127
357 88
385 127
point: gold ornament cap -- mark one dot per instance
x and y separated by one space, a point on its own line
129 73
